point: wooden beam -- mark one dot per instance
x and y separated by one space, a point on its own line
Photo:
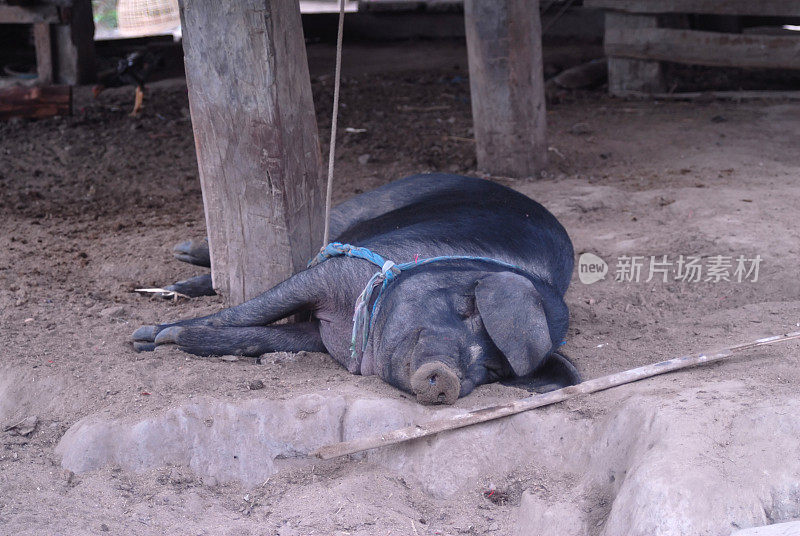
74 44
504 47
704 48
28 15
632 75
35 101
256 138
44 53
765 94
755 8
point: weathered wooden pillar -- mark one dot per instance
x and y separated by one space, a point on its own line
627 74
256 139
44 53
74 44
504 45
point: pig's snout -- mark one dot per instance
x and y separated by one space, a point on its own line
435 383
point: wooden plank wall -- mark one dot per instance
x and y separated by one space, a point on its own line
638 38
704 48
28 14
35 101
754 8
64 38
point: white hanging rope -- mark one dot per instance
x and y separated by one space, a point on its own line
334 121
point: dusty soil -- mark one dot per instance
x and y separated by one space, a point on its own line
92 204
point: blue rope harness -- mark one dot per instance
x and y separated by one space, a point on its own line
389 271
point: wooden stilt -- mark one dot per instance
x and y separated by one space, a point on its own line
627 74
504 46
256 137
74 44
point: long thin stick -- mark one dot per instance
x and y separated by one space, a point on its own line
334 121
537 401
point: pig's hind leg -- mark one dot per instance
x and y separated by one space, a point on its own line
246 341
194 252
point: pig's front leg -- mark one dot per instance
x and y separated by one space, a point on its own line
246 341
193 287
298 293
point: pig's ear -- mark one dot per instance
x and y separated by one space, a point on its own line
513 314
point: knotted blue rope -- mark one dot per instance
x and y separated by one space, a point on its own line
389 271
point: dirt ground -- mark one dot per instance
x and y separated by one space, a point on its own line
91 205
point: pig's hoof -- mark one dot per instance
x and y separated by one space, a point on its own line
193 287
145 334
193 252
435 383
141 346
168 336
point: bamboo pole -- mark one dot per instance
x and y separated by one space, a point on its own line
525 404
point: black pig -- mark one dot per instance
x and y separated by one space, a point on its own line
492 309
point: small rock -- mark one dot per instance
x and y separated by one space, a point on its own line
580 129
115 311
69 477
128 286
104 527
25 427
364 159
255 385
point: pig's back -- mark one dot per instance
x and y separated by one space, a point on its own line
438 214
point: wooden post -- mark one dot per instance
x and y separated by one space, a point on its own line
44 53
256 139
504 46
631 75
74 44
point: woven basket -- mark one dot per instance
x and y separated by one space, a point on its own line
147 17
